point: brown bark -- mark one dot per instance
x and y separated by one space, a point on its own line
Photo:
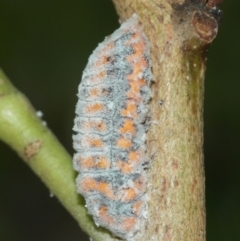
179 32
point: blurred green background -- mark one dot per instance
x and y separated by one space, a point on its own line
44 46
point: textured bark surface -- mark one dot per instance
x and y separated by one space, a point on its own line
179 32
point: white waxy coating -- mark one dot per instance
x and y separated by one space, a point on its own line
111 130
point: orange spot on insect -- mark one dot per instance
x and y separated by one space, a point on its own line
137 70
94 142
87 162
128 127
101 62
124 143
103 58
103 213
133 160
93 108
97 78
124 167
94 92
94 162
101 75
103 163
139 184
129 194
137 207
130 111
92 125
135 89
101 126
97 92
138 51
89 184
128 223
134 156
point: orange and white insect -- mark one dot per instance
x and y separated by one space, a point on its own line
111 130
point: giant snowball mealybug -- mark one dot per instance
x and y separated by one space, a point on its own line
111 130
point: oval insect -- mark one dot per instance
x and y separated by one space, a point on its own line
111 127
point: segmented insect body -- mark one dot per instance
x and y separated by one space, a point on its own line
111 130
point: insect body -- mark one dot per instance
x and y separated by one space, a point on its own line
111 130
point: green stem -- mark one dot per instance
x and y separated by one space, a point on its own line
27 134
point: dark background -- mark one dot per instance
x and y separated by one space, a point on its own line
44 46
